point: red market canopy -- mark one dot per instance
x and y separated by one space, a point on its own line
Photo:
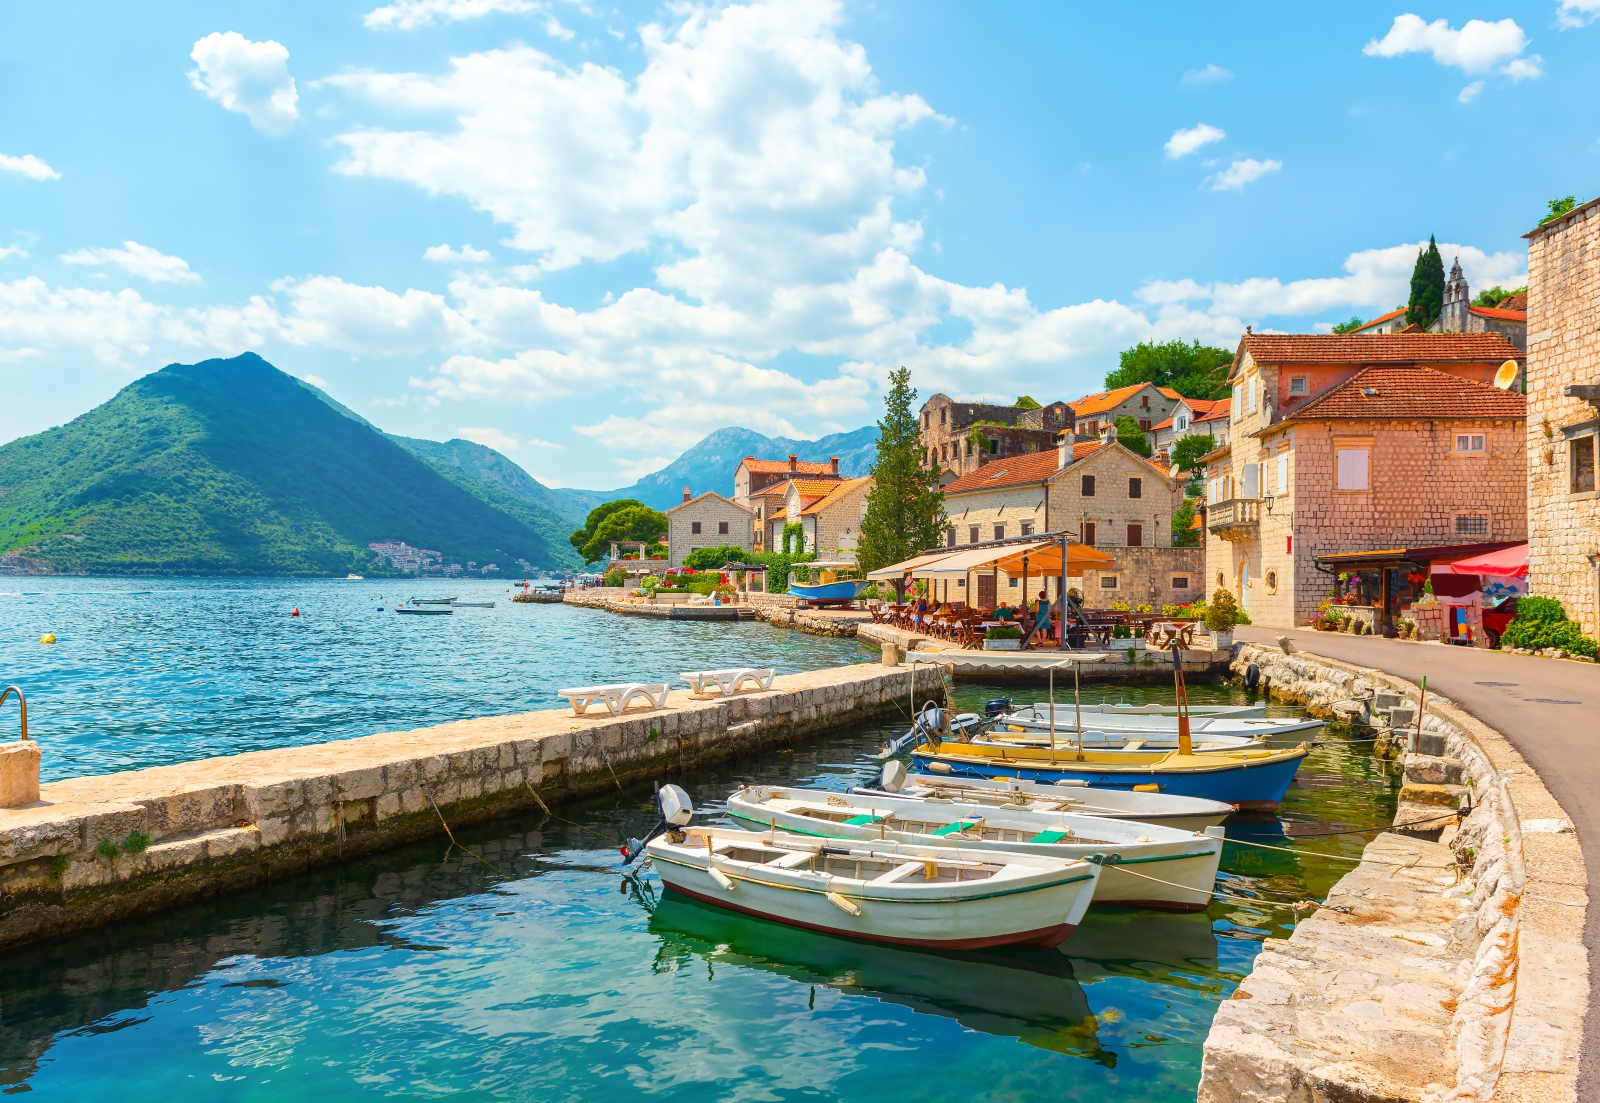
1509 562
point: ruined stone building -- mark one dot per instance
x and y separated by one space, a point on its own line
1563 431
960 437
1352 443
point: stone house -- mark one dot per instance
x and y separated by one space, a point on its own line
1100 491
797 495
762 486
960 437
1507 317
1563 441
1186 420
709 521
1392 322
831 524
1146 403
1341 443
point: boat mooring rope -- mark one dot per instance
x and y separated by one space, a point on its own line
1296 906
449 835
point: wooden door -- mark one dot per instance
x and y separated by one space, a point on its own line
986 591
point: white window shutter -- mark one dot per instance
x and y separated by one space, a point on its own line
1361 468
1252 480
1283 473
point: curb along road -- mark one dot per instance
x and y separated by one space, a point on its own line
1546 709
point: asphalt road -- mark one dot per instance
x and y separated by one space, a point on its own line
1548 709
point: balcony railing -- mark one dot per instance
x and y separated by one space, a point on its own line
1234 519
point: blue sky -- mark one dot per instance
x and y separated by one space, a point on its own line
589 234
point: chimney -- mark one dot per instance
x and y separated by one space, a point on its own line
833 464
1162 459
1063 450
686 496
794 462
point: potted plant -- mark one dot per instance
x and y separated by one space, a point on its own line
1222 614
1003 637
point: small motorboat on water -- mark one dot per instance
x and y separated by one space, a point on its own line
472 605
1161 809
827 583
433 601
1153 729
1179 868
425 610
940 897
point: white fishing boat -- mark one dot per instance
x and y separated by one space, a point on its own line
1106 708
940 897
424 610
1162 809
1144 865
472 605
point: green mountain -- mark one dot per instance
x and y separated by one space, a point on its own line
233 467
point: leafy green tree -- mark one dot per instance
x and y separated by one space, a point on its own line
627 520
1026 402
705 559
1495 295
1193 370
1183 534
1559 207
905 510
1351 326
1427 287
1187 452
1131 437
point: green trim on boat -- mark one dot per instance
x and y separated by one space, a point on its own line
1048 837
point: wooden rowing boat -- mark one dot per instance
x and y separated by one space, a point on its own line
1163 809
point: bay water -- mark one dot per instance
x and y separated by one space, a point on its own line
524 967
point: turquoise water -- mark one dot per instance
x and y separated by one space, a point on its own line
527 969
145 672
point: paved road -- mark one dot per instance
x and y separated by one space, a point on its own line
1549 710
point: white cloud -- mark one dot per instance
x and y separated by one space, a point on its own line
12 251
1240 173
1577 13
490 438
139 260
28 165
537 443
443 254
251 78
1204 78
408 15
1478 47
1184 142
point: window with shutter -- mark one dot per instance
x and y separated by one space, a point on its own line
1580 462
1144 423
1088 486
1283 473
1135 536
999 532
1088 533
722 528
1136 488
1027 528
1251 478
694 527
1352 468
972 534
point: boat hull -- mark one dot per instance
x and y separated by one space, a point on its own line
1248 786
827 591
1156 809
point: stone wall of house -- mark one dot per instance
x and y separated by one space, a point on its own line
1110 508
1009 507
835 531
722 522
1147 576
1563 349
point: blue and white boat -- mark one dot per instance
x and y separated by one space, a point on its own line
824 584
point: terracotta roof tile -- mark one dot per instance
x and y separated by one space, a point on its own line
1389 317
813 488
1378 348
1158 426
1035 467
1519 301
1500 313
1407 394
1091 404
771 467
839 490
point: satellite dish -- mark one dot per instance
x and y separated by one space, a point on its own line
1506 376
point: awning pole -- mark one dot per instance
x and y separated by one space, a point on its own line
1061 602
1077 706
1052 716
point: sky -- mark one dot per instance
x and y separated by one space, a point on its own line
588 234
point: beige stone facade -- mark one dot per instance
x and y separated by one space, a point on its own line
831 525
1276 495
1563 432
1146 403
1114 498
709 521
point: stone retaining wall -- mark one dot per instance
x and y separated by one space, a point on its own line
1501 930
96 849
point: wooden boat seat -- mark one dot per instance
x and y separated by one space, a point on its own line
617 697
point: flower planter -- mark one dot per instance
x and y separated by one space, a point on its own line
1222 641
1002 645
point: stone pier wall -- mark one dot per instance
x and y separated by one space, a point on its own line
95 849
1453 970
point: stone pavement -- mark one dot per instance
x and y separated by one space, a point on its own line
1544 708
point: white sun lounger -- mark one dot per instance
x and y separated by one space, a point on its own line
729 681
616 698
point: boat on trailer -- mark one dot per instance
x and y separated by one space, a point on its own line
1176 870
934 897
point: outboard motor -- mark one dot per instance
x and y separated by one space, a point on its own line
999 706
675 809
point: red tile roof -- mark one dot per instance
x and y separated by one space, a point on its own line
1380 319
1378 348
1519 301
779 467
1091 404
1500 313
1411 394
1035 467
838 491
813 488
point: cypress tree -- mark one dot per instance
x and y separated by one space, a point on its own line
1427 287
905 510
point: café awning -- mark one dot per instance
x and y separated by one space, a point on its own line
1047 560
899 570
961 563
1509 562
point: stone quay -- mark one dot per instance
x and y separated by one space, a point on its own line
93 850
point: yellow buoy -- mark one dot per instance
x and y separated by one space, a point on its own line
47 638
